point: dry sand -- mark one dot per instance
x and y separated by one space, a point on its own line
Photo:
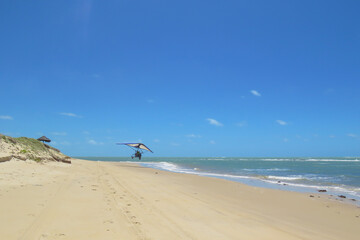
102 200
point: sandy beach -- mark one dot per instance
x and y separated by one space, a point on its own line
106 200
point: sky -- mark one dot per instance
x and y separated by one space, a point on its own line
187 78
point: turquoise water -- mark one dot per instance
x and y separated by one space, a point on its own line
336 175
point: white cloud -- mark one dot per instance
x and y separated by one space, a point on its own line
5 117
352 135
193 136
150 100
65 143
175 144
59 133
70 115
241 124
281 122
255 93
139 140
93 142
156 140
214 122
285 140
212 142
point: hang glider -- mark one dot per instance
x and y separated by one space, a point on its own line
138 148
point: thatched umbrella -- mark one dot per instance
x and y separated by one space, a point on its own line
44 139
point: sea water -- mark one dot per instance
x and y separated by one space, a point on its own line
339 176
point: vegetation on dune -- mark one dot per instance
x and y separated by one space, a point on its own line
30 148
31 143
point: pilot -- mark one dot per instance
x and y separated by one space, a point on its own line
138 155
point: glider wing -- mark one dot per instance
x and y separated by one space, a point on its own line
136 145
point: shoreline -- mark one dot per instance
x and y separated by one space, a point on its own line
271 182
279 185
107 200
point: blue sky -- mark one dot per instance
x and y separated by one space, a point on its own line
187 78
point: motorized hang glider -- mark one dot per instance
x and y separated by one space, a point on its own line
138 148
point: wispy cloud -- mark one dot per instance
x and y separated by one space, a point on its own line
156 140
65 143
212 142
150 101
281 122
174 144
59 133
214 122
352 135
70 114
6 117
93 142
255 93
241 124
193 136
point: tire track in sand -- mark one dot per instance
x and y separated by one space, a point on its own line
129 199
47 213
117 208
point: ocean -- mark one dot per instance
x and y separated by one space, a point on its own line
338 176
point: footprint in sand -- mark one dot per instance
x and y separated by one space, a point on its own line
43 236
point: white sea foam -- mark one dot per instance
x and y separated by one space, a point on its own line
331 160
216 159
163 165
307 160
291 178
175 168
277 159
265 169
